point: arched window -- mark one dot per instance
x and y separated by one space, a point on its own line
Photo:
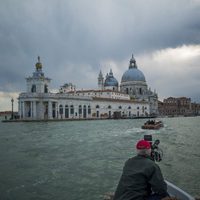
109 114
142 108
71 109
66 111
84 111
45 88
53 109
89 110
126 90
129 107
120 107
80 110
33 89
140 90
61 109
109 107
97 106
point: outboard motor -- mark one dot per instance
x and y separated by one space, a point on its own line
156 152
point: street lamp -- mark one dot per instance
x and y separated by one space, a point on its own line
12 100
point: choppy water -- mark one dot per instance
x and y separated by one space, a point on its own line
84 159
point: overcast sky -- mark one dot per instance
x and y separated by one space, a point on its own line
77 38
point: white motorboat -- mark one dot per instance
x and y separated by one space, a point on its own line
172 189
175 191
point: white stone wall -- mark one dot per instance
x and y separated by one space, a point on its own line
39 83
102 94
112 88
53 106
126 108
134 88
75 103
103 108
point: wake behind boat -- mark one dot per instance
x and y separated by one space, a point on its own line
152 124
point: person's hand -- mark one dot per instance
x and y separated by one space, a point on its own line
108 196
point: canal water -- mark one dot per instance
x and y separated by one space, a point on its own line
75 160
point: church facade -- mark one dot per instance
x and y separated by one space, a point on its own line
130 99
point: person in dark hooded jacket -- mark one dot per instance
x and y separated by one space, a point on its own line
141 178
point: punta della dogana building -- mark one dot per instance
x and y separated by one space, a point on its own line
131 98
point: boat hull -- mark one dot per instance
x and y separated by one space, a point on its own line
153 126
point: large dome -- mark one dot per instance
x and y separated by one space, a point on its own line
133 73
110 80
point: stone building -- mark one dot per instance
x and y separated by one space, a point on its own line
134 84
175 107
195 108
131 99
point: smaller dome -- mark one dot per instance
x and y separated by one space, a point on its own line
110 80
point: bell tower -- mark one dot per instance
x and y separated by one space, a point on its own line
100 81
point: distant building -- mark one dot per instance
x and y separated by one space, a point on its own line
195 108
131 99
8 114
181 106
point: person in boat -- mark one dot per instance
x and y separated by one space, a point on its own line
141 178
150 122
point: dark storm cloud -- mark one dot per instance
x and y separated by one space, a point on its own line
74 37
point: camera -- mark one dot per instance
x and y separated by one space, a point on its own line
156 152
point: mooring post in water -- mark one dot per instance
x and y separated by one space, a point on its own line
12 100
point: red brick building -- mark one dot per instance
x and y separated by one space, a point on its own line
181 106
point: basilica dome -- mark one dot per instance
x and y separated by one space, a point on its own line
133 73
110 80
